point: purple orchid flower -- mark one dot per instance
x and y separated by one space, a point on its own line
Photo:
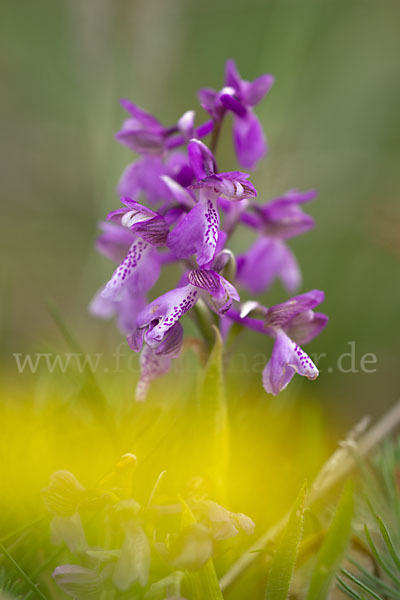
197 232
144 134
158 332
154 322
290 323
239 97
269 257
293 322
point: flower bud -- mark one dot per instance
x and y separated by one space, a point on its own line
192 548
78 582
63 494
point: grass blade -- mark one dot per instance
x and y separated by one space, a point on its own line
284 561
333 547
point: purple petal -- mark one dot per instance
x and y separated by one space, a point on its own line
197 232
221 292
201 159
141 220
136 338
267 259
306 326
249 140
232 104
172 342
232 77
225 185
208 99
300 197
114 241
186 124
284 219
205 279
144 177
257 89
141 115
289 271
179 193
177 165
126 308
140 268
280 315
287 358
140 140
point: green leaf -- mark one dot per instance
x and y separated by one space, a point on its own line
204 584
283 563
333 548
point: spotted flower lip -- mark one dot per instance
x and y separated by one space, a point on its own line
140 268
287 358
160 315
141 220
197 232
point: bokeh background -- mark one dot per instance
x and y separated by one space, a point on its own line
332 121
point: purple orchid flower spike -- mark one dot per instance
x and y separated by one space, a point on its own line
197 232
141 220
269 257
177 176
239 97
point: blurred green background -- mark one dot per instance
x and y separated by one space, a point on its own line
332 121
